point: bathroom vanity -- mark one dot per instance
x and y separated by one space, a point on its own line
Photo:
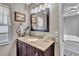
31 46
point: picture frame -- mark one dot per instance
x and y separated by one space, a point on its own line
19 17
40 21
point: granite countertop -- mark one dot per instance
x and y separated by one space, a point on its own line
37 42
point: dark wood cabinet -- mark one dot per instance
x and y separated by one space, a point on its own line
24 49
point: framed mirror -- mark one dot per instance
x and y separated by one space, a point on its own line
40 21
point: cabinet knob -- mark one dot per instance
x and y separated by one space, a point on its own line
36 54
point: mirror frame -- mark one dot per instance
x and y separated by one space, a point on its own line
47 30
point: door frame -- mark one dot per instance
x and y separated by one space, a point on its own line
61 30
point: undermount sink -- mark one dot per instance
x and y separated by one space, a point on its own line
33 39
36 40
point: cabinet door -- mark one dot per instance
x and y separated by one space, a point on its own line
19 49
29 50
23 49
49 51
32 51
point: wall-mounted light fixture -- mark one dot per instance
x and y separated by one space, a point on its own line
40 8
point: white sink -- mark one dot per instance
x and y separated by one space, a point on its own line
32 39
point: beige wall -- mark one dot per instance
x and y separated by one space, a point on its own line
19 7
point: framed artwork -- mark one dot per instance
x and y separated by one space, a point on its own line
19 17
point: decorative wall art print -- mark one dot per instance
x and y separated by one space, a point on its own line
19 17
